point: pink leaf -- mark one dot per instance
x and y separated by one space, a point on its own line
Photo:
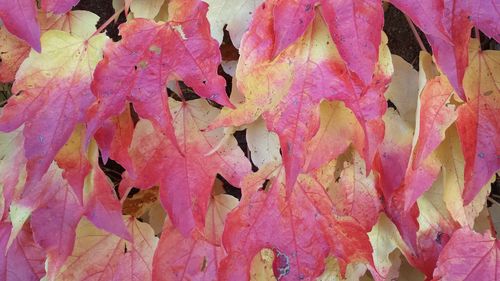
355 26
469 256
19 16
24 260
171 263
58 6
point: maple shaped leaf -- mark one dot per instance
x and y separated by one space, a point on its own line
478 120
99 255
354 25
58 6
54 94
138 67
234 17
14 51
20 19
301 228
24 259
185 180
469 256
290 107
447 25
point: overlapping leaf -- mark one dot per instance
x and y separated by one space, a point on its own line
20 19
469 256
137 68
99 255
291 106
301 229
54 94
186 180
478 120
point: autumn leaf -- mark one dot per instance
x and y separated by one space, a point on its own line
355 27
235 17
24 259
14 51
290 107
204 154
147 9
289 226
478 120
180 49
469 256
354 193
170 264
450 155
58 6
19 17
101 255
70 61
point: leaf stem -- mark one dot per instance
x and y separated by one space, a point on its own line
415 33
110 20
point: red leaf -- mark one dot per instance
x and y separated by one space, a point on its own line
180 49
354 194
54 94
24 260
19 16
58 6
204 155
485 15
103 208
469 256
356 26
301 228
290 106
436 115
478 121
56 235
171 262
291 19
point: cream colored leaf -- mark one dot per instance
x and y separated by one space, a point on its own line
235 14
146 8
264 145
403 90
